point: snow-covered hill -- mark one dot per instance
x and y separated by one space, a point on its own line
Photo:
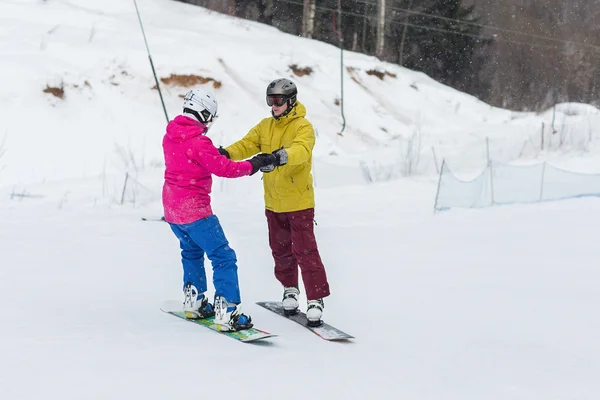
110 118
491 304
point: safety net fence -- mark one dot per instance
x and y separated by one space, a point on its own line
501 183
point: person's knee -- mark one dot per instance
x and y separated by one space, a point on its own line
311 264
224 256
192 254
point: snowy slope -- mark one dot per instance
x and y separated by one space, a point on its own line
110 119
461 305
482 304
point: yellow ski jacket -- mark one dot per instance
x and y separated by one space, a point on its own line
288 187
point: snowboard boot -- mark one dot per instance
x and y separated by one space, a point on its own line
229 317
290 300
314 312
196 306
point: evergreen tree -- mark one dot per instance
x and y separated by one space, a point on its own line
444 48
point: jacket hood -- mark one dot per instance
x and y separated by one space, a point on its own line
183 128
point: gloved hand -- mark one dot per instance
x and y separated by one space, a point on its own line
268 168
261 160
281 157
224 152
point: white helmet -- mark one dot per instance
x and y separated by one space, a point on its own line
200 105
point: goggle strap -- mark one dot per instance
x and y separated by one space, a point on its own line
206 116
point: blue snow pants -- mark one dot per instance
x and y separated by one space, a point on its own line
206 236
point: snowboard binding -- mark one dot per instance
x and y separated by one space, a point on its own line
314 324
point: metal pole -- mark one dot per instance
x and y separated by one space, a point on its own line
341 37
542 183
437 193
437 169
542 136
151 63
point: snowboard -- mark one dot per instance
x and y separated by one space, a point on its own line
324 331
246 335
161 219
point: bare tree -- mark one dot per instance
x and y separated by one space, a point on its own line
231 7
401 55
556 60
379 47
308 18
542 52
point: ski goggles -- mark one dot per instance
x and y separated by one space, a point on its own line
276 101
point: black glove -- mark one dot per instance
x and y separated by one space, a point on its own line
281 157
261 160
268 168
224 152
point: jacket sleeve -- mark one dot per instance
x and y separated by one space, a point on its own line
247 146
300 150
209 158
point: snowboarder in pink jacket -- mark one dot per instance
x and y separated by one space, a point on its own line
190 160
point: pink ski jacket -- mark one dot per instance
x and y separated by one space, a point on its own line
190 160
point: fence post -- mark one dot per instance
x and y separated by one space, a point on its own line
437 169
542 184
437 193
542 136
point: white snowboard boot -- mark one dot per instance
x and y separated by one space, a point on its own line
194 306
290 300
314 312
229 317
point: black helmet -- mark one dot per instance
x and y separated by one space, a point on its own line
284 89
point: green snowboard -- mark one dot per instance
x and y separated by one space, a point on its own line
246 335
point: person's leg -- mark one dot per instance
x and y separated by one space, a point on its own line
227 307
195 303
192 259
280 241
305 249
209 234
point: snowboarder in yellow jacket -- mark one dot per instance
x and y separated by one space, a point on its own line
289 195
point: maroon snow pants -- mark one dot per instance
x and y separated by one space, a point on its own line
293 244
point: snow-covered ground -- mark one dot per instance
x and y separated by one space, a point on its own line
495 303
